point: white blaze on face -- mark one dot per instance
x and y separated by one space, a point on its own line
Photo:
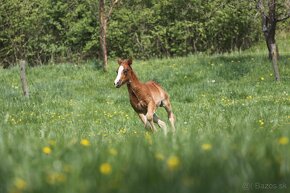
120 70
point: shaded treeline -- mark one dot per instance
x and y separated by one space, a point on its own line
64 31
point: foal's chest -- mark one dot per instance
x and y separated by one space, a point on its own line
139 105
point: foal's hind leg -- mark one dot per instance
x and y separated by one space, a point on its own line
160 123
168 108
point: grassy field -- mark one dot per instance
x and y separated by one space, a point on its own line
77 133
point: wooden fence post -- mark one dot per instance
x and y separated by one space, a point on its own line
25 89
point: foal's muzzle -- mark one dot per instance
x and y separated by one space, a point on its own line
118 84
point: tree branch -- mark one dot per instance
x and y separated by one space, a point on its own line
284 18
265 18
261 9
113 4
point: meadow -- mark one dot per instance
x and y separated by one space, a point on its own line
78 133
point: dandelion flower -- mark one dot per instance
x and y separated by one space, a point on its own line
249 97
123 131
52 142
148 138
113 152
55 178
106 168
20 184
67 168
85 142
261 122
47 150
173 162
283 140
262 78
159 156
206 146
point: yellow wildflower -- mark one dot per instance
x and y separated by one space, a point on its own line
47 150
206 146
159 156
148 138
283 140
52 142
67 168
20 184
173 162
262 78
106 168
55 178
113 152
261 122
123 130
85 142
249 97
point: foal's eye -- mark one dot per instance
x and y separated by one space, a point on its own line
125 71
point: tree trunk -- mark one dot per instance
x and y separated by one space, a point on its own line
23 78
269 23
270 39
103 33
274 61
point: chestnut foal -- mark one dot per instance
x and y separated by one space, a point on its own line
145 98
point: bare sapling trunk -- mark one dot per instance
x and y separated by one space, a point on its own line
104 20
269 23
274 61
103 32
23 79
272 48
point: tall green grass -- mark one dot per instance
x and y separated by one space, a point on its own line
77 133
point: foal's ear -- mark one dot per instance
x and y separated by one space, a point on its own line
129 61
119 61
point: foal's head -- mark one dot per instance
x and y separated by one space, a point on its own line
123 72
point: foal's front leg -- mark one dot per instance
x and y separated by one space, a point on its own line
144 120
150 112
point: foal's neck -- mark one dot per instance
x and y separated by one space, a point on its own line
134 83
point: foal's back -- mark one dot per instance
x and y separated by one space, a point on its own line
157 92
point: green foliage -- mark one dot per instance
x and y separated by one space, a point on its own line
56 31
176 28
47 31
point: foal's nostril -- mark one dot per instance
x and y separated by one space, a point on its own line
116 84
